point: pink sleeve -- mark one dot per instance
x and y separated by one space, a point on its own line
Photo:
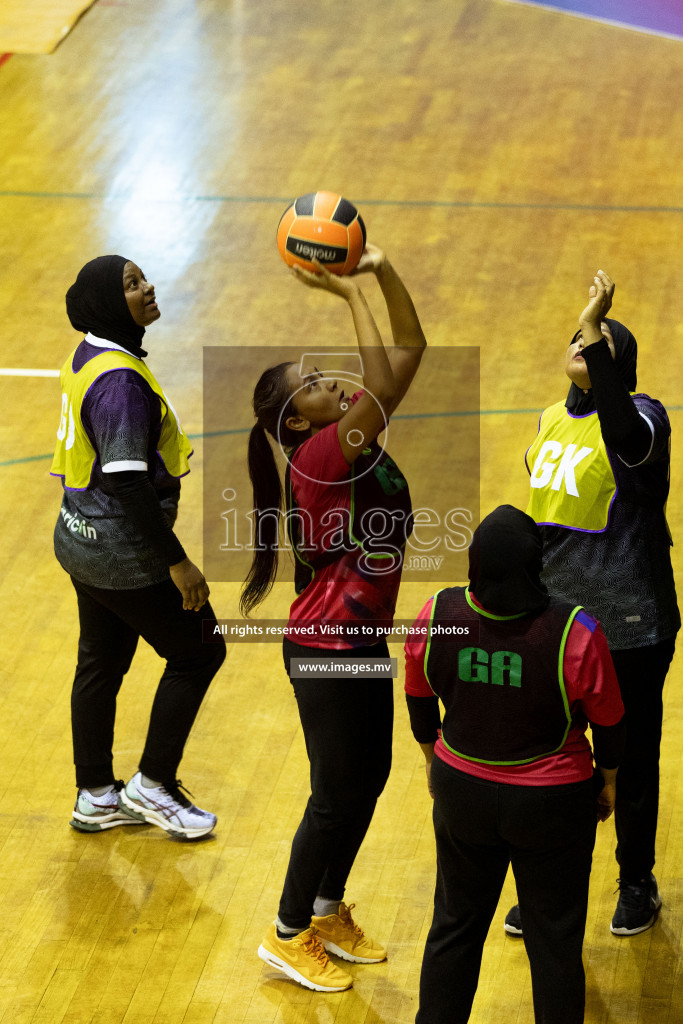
415 648
319 460
589 672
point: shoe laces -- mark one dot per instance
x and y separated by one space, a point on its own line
314 948
346 918
632 895
174 791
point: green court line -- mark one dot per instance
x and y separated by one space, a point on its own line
284 200
404 416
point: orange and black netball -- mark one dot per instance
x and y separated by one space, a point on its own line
321 226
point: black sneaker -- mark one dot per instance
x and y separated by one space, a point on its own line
513 921
637 907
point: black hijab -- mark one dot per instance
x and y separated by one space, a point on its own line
96 302
625 358
505 563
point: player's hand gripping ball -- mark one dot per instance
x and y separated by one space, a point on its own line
322 226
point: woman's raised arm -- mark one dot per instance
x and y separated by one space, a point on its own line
367 417
409 339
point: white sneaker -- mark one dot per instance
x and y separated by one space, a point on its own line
97 813
169 809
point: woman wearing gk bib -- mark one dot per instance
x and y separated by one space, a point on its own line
121 453
599 475
349 516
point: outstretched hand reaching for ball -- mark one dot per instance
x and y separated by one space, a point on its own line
322 278
371 260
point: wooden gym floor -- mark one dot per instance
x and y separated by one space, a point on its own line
501 154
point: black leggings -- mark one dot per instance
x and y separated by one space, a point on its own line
641 672
347 726
547 834
111 623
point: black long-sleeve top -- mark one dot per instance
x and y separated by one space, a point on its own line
623 574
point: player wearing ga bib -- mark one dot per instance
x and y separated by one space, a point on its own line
511 773
519 687
502 681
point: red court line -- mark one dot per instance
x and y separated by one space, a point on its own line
4 57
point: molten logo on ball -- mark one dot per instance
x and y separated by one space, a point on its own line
309 251
322 226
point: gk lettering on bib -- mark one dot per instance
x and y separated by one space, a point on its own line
571 478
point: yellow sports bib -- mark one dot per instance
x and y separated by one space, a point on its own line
572 482
75 456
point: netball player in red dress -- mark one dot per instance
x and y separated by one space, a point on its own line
349 518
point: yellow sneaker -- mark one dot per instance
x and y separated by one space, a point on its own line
304 959
342 936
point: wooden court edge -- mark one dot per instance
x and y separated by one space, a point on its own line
37 27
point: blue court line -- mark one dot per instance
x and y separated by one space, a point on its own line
405 203
404 416
654 17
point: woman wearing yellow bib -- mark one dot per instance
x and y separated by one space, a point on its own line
120 454
599 475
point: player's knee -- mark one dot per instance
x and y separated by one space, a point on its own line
202 661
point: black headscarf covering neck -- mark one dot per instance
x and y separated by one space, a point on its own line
96 302
580 403
506 558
